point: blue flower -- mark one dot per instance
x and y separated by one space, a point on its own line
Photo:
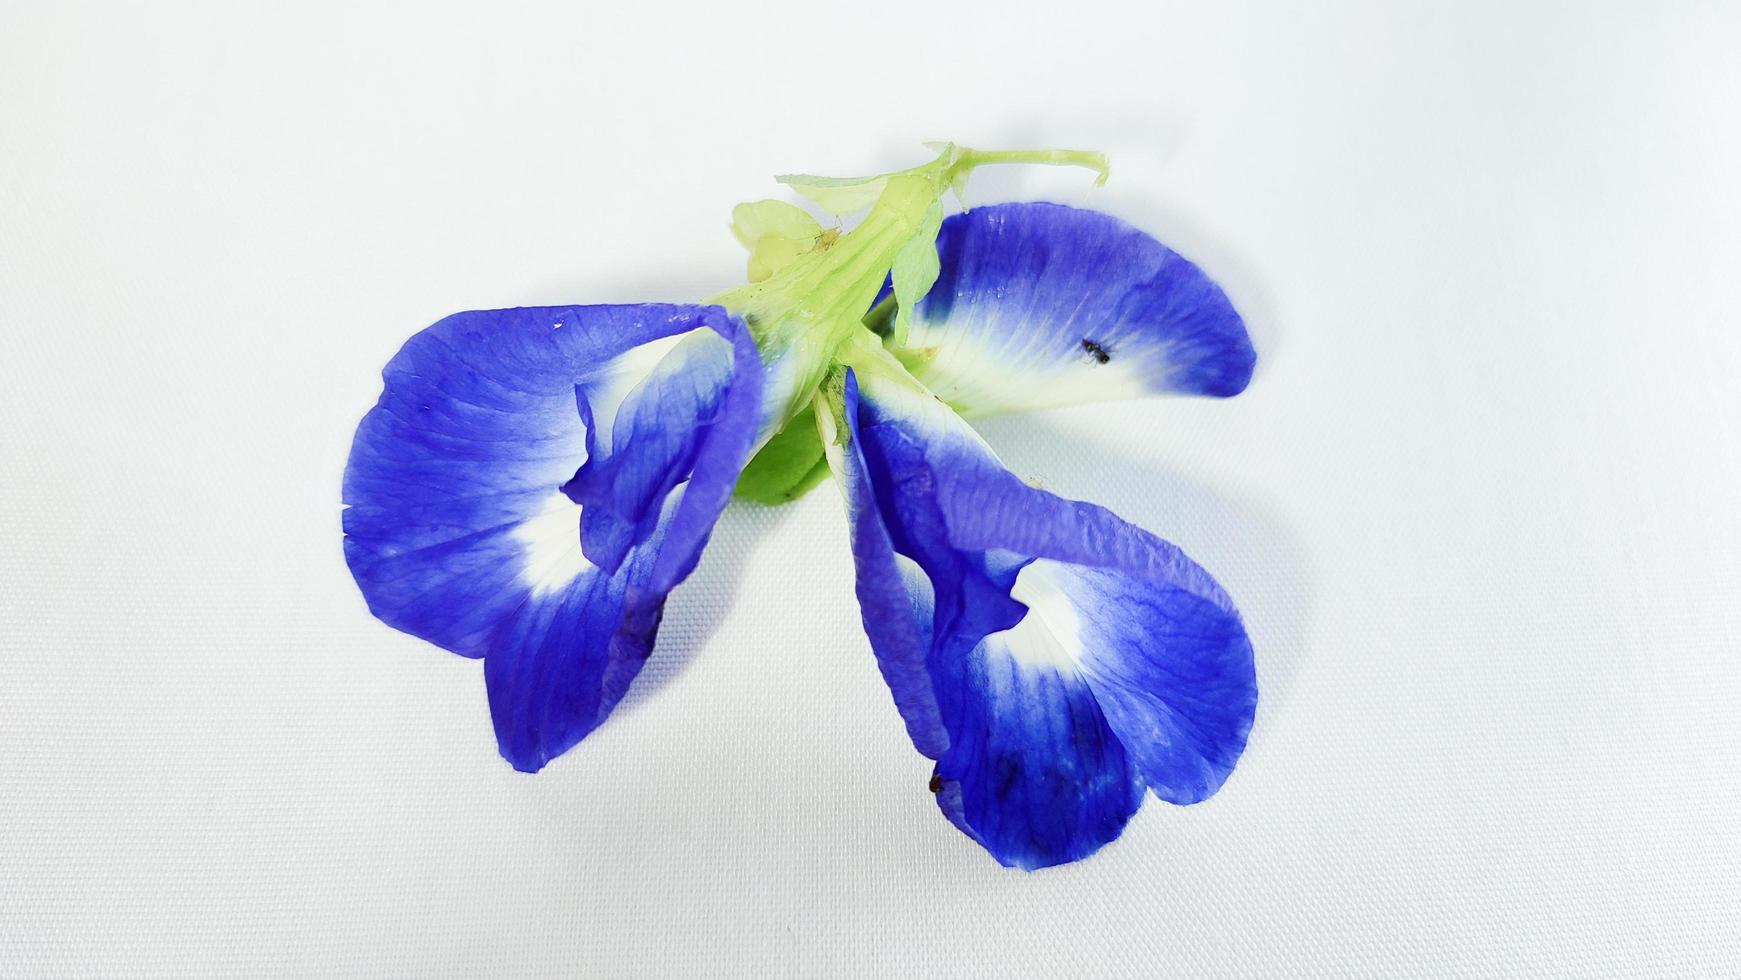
1052 659
1039 305
531 485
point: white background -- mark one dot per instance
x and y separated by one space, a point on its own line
1479 505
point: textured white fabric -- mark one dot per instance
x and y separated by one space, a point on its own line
1479 506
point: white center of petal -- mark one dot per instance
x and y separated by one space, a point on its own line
1050 634
551 540
607 390
981 377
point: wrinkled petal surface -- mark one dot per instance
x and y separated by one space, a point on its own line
531 485
1053 659
1039 305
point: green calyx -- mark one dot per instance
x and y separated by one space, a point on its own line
811 287
789 466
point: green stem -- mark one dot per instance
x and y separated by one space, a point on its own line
1088 159
803 314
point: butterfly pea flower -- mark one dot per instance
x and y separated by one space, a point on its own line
534 483
1055 662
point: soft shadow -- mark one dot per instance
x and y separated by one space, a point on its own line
1243 543
695 609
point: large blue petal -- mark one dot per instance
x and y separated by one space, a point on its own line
1041 304
531 485
1053 659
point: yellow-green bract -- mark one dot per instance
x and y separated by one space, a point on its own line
811 287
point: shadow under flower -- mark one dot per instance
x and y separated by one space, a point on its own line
695 608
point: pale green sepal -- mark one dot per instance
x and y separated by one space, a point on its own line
774 253
776 233
753 221
915 270
838 195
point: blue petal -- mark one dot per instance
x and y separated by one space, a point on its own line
656 436
1040 304
1053 659
531 485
